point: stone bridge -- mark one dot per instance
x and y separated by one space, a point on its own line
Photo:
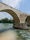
18 16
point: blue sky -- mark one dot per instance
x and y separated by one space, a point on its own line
25 6
5 15
22 5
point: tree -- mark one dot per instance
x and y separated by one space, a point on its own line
6 20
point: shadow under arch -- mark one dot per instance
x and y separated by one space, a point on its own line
27 21
15 17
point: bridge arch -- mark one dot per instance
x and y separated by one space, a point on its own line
27 20
15 17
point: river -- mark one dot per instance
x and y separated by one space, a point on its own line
13 34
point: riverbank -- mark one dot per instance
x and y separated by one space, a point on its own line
15 34
8 35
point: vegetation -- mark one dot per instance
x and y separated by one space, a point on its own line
6 20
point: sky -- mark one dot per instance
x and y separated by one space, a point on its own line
22 5
5 15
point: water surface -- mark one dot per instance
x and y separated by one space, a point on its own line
15 34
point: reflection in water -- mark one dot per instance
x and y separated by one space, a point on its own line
5 26
14 34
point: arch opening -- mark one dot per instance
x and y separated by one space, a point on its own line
27 21
5 15
15 17
6 21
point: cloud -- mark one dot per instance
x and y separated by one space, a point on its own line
13 3
5 15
